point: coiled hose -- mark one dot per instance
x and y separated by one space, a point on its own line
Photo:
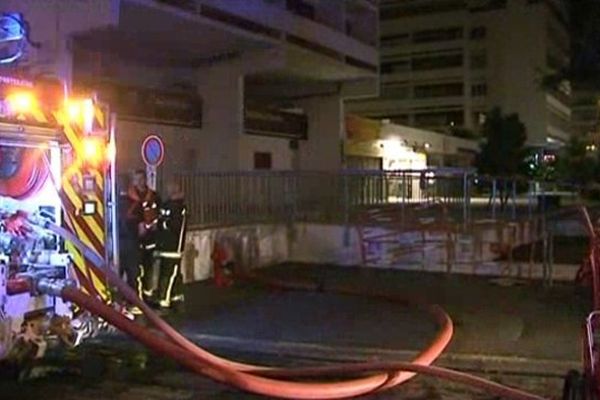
269 381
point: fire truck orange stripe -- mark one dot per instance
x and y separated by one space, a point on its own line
90 229
98 194
80 262
90 222
95 228
99 114
73 138
81 233
81 230
80 268
39 116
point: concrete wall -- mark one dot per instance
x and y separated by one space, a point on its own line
183 150
258 246
322 150
281 155
223 92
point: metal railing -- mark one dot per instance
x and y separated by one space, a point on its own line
233 198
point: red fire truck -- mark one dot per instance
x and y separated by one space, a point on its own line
57 156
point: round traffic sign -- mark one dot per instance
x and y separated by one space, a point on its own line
153 151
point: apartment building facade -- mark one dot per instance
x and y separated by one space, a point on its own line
445 63
585 107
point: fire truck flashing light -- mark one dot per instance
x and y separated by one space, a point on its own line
21 102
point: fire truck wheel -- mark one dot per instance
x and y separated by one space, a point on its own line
574 388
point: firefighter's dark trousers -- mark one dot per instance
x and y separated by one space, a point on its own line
129 263
170 283
146 280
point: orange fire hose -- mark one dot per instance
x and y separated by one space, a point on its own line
167 348
254 378
245 375
257 379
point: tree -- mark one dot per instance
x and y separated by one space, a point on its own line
503 148
502 152
576 164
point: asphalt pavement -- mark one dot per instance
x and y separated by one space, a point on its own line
519 333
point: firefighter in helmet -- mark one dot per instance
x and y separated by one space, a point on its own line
173 225
142 214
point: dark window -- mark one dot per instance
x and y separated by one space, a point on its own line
437 62
585 114
262 160
412 10
479 89
184 4
479 60
488 5
437 35
396 91
479 32
395 66
394 40
439 90
440 118
301 8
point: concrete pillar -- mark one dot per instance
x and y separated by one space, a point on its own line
322 150
222 91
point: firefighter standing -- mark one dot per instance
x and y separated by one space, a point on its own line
170 246
142 216
129 264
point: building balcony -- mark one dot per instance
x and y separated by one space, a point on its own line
558 127
202 32
408 104
343 29
451 74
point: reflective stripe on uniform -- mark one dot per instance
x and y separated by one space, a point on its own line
177 298
181 232
167 298
169 254
140 285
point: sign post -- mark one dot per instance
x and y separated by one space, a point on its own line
153 153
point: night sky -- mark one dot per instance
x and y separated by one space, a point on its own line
585 64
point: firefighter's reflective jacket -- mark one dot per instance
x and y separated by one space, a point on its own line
143 215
